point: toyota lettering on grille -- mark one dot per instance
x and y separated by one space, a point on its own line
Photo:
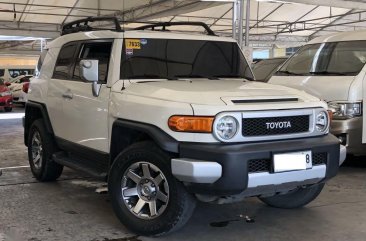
278 125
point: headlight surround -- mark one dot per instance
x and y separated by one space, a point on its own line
226 127
6 93
322 121
345 110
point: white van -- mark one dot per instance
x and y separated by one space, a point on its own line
8 72
333 68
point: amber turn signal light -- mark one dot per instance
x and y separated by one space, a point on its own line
330 113
201 124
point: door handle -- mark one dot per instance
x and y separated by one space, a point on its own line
67 95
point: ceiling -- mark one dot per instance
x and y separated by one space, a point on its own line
284 23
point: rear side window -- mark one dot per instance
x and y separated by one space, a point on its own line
96 51
64 62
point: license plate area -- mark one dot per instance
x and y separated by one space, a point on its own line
292 161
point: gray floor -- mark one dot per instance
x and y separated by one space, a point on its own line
74 209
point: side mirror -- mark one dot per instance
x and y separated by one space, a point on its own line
7 83
89 72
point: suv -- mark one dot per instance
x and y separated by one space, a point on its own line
171 118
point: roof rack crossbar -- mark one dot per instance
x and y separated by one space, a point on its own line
82 25
168 24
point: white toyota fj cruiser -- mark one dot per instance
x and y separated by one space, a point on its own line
168 118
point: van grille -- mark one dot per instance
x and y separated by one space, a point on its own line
267 126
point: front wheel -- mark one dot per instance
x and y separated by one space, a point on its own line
145 196
294 199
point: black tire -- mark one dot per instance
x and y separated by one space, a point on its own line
294 199
45 169
8 109
179 207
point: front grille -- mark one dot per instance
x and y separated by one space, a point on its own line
259 165
266 126
264 165
320 158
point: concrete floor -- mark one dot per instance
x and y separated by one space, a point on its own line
72 209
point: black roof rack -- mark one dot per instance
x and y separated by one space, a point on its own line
168 24
82 25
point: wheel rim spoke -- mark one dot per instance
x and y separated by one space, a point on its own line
134 177
158 179
130 192
37 150
146 171
139 205
162 197
152 207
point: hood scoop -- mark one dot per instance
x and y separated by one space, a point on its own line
251 101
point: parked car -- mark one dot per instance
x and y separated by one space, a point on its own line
19 88
265 68
151 113
9 72
333 68
6 99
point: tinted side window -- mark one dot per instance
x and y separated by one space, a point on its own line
98 50
64 62
40 62
2 72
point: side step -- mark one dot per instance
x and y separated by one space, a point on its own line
86 166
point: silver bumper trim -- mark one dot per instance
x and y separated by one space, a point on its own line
266 178
196 171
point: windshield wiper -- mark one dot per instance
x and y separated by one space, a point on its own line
193 76
325 72
287 72
149 76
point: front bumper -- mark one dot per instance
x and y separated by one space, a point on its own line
218 169
350 133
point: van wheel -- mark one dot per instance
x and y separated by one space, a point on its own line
145 196
294 199
40 150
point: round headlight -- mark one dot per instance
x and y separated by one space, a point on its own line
226 127
322 121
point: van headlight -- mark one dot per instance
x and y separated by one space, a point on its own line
226 127
345 110
322 121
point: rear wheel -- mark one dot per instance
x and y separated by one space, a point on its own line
145 196
8 109
294 199
40 150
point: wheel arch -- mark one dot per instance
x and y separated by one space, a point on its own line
34 111
126 132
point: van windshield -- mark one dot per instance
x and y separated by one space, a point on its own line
335 58
175 58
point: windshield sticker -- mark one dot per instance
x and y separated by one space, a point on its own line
129 51
133 44
143 41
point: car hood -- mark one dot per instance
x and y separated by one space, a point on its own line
328 88
213 92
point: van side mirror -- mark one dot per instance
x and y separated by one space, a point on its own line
89 72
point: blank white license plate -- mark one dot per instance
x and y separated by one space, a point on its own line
292 161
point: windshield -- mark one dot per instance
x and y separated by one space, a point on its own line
265 68
338 58
174 58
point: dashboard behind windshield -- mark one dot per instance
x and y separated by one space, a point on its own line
334 58
176 58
